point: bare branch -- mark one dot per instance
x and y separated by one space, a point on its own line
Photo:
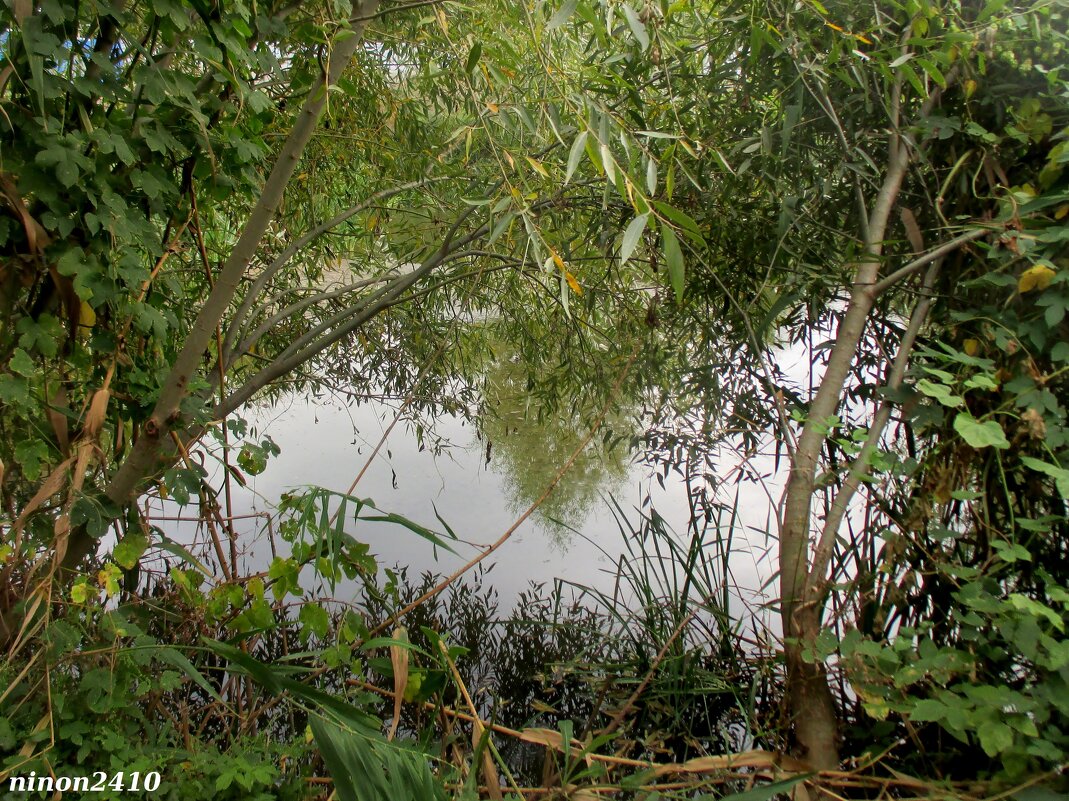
884 284
251 339
818 579
260 283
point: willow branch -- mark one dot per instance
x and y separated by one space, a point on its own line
327 333
294 308
143 458
818 575
260 283
884 284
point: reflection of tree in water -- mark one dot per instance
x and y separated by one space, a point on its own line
527 439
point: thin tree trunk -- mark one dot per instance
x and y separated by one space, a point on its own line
151 448
810 701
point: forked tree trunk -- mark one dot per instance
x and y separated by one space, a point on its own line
804 572
152 451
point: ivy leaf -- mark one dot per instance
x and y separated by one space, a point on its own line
941 392
314 620
80 592
63 161
928 710
128 552
995 737
252 460
980 435
108 579
22 364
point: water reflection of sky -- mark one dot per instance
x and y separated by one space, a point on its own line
327 444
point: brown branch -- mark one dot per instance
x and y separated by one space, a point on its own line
142 461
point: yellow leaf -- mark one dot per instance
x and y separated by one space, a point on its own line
87 318
80 593
876 709
1038 277
567 275
1061 211
399 661
492 106
537 165
509 159
971 346
412 687
108 579
970 88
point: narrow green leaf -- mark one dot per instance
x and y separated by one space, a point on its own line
933 71
631 236
914 79
500 226
574 155
657 134
182 553
780 305
562 15
762 793
683 220
608 163
473 57
1059 474
638 29
175 658
673 257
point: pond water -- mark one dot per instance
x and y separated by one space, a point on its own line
327 444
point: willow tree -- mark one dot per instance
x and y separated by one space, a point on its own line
884 186
674 183
201 206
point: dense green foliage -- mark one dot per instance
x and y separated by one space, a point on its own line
584 211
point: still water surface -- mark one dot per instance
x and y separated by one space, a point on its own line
326 444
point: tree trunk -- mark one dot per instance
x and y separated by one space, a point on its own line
813 711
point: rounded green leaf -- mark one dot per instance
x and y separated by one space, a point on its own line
980 434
